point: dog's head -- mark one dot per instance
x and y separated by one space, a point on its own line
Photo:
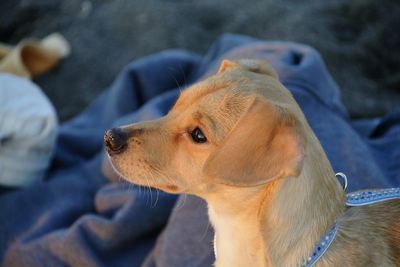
239 127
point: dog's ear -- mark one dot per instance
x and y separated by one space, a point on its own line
252 65
264 144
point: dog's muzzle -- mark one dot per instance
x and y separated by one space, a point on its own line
115 141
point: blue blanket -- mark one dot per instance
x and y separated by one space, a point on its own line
77 218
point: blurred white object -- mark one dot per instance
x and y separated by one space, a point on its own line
28 130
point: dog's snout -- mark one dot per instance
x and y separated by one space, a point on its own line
115 140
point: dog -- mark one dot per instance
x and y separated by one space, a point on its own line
239 140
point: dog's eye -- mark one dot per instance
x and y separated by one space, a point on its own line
198 136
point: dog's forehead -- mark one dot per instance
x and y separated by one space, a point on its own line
213 96
197 91
211 88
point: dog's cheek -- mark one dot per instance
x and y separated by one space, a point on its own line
187 168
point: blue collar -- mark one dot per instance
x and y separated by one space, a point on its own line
321 247
366 197
358 198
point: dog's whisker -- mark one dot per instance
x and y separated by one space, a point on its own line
181 203
150 196
140 191
205 231
176 81
155 202
151 176
150 189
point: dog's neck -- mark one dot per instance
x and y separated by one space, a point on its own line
235 216
277 224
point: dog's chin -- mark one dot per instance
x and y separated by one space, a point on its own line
142 181
169 188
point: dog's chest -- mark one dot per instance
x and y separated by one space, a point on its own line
237 241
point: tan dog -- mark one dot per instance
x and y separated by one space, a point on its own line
240 141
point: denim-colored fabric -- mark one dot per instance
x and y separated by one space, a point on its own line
76 218
28 128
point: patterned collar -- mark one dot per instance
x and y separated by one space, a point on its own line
358 198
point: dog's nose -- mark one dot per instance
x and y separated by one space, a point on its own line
115 140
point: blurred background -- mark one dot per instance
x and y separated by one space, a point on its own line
359 40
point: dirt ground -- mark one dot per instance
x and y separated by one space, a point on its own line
359 40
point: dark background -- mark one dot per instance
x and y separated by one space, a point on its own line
359 40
